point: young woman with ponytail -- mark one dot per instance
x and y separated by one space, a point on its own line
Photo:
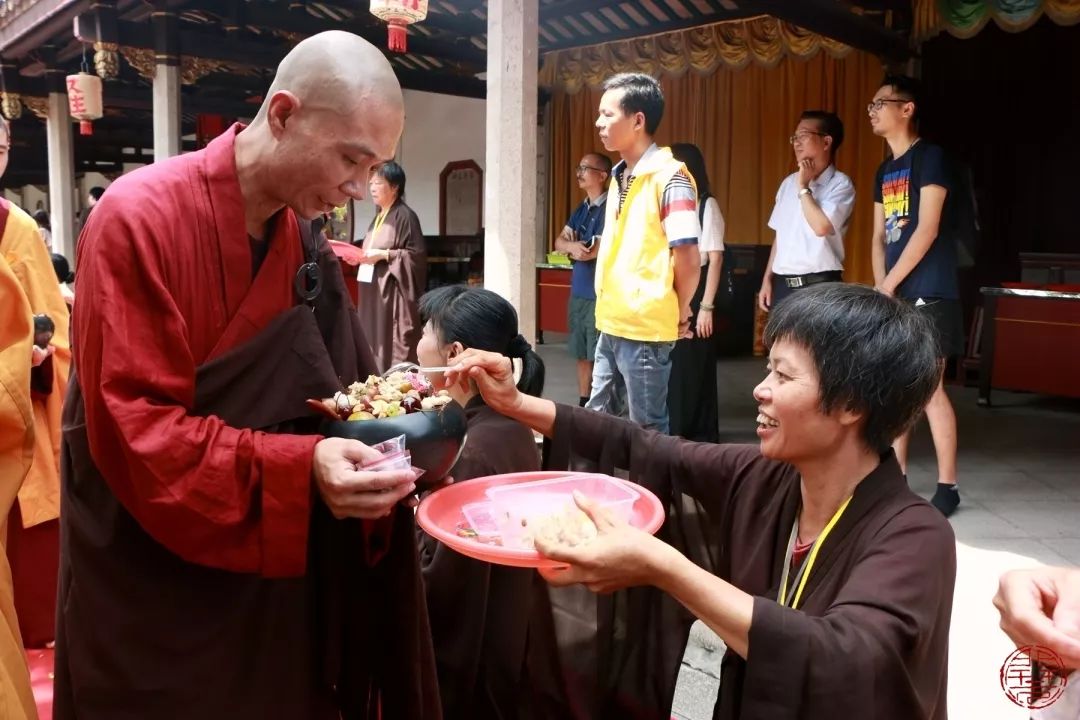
491 625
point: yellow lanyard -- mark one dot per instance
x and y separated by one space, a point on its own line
378 223
804 571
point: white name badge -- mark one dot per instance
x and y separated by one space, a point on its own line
365 273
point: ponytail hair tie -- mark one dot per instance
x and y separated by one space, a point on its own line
519 347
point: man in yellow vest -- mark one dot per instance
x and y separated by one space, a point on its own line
648 266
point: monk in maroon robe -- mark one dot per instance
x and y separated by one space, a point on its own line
834 585
219 559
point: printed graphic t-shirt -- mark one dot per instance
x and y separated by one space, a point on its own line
899 181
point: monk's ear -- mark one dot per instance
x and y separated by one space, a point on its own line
281 108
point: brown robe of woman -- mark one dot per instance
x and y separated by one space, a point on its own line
870 637
154 636
388 305
491 626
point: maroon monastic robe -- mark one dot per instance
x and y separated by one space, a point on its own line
870 636
201 575
388 304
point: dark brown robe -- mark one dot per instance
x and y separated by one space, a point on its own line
870 637
491 625
388 304
143 633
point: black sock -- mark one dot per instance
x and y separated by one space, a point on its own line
582 399
946 498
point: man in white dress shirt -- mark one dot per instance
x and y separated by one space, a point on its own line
811 214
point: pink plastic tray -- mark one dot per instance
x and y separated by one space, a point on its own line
440 515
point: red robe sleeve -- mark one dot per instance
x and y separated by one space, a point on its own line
215 495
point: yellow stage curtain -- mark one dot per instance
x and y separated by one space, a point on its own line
741 119
763 40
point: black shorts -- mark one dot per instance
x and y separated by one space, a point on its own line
948 321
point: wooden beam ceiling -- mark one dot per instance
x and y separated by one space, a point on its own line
560 11
274 17
835 19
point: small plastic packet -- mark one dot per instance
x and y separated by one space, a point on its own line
394 457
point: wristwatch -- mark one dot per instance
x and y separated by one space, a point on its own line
805 191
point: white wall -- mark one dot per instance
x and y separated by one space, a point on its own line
438 129
31 196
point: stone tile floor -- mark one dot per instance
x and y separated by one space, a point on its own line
1019 465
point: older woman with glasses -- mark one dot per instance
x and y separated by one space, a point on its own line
833 590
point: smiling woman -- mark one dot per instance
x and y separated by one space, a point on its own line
825 593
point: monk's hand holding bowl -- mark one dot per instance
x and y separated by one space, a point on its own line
351 492
494 377
620 556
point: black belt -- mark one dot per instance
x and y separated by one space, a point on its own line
798 281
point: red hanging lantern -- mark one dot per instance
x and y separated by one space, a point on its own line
84 100
399 14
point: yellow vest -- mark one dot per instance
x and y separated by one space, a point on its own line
635 269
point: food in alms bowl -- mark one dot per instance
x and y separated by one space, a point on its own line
377 398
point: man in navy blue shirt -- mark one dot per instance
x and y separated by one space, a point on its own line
580 239
910 261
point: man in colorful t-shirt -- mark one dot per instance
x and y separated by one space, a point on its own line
909 259
580 239
648 266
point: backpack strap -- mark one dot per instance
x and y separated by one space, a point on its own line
916 153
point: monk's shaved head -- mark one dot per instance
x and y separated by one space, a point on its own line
335 70
333 111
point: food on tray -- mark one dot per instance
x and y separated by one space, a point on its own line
466 531
570 527
400 393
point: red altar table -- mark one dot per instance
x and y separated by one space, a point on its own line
1031 339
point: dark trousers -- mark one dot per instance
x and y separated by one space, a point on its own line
693 406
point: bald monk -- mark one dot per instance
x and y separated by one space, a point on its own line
33 529
16 453
220 559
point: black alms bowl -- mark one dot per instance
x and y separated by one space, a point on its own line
433 437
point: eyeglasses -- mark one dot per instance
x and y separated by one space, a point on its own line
583 168
875 105
801 137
